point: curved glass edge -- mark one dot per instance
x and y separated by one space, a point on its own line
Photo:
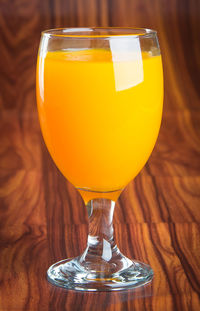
80 33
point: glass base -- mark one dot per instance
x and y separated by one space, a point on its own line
70 274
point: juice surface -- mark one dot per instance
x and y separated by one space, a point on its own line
99 117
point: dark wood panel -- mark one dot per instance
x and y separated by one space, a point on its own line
166 247
43 218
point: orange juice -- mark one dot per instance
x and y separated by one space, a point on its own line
99 117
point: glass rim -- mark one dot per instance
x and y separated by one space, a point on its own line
78 32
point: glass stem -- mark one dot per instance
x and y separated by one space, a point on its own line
101 266
101 254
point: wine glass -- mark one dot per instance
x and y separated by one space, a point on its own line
100 98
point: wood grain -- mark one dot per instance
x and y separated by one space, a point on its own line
43 218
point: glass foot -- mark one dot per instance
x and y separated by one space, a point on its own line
70 274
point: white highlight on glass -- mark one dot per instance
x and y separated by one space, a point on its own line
127 62
42 51
107 251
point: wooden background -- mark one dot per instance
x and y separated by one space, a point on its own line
157 217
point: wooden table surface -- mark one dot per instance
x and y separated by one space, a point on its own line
43 218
